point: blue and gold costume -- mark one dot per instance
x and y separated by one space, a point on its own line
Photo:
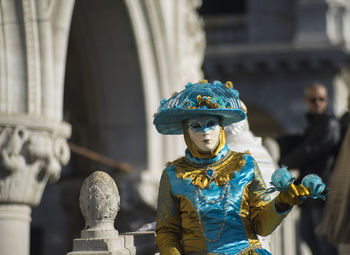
196 216
213 201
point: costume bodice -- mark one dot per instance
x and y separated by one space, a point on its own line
200 215
218 208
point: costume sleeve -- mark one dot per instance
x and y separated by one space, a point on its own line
168 230
262 210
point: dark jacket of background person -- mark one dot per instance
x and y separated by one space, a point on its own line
316 148
313 152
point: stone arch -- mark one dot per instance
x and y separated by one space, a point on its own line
124 56
104 97
104 90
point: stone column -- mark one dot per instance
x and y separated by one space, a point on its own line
33 147
14 219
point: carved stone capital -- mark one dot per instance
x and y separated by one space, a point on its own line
29 158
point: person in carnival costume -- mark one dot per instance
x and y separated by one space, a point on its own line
213 200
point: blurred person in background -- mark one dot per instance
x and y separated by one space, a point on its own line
335 222
314 151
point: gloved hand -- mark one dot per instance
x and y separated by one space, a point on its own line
294 195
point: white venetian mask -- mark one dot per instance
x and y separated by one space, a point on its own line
204 132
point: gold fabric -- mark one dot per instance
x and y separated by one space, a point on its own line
224 169
257 210
177 219
196 152
177 211
292 196
168 228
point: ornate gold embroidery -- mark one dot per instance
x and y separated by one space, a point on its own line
224 170
206 101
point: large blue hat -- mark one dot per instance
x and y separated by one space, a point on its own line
197 99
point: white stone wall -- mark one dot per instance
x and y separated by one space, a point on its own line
170 42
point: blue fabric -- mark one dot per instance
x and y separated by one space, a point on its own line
215 99
281 179
220 155
233 238
315 185
200 124
262 252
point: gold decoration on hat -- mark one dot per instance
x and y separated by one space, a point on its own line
243 108
229 84
206 101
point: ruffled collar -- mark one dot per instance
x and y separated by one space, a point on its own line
202 172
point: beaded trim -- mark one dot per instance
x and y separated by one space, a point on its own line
224 194
250 248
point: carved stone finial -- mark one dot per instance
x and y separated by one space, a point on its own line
99 202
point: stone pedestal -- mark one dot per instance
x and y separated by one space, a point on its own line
15 227
99 203
113 245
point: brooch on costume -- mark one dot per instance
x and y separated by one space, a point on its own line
210 173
